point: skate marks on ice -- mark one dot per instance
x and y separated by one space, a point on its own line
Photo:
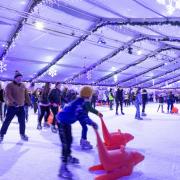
10 156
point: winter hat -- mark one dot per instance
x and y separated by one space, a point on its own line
86 91
17 73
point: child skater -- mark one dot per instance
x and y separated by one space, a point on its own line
76 110
161 102
84 143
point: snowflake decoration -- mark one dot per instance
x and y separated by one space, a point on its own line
89 75
52 72
2 66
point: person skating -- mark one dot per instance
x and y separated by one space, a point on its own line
170 102
119 100
1 102
73 111
44 105
111 99
85 144
55 100
94 99
161 102
144 101
137 103
16 96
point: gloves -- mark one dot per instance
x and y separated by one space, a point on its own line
94 125
100 114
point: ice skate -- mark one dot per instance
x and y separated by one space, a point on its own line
85 145
39 127
24 137
53 129
143 114
46 125
1 138
64 172
73 160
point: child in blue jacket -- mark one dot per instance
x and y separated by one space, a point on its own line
72 112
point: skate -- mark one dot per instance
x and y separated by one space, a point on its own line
116 113
1 138
53 129
85 145
122 113
73 160
64 172
143 114
39 127
139 118
46 125
24 137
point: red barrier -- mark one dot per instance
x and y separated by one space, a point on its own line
116 163
116 139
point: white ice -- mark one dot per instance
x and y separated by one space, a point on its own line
157 137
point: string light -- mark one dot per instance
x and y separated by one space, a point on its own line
12 43
39 25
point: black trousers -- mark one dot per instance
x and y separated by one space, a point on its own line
1 111
35 107
169 107
44 112
5 110
93 104
143 106
84 130
11 112
65 135
117 106
54 111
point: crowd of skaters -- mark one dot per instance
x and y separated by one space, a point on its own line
17 98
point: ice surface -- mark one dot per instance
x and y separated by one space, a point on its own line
157 137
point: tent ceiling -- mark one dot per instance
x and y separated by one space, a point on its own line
83 42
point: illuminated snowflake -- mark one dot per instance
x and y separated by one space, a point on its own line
89 75
2 66
52 72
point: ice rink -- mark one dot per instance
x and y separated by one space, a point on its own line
157 137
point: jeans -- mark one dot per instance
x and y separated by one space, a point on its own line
169 107
44 111
65 135
54 110
84 130
117 106
11 112
26 109
110 104
137 110
143 106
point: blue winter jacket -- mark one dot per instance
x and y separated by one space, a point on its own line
138 99
75 110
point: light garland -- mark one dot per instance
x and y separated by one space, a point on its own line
134 64
12 42
154 77
67 51
125 46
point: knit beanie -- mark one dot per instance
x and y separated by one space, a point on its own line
86 91
17 73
